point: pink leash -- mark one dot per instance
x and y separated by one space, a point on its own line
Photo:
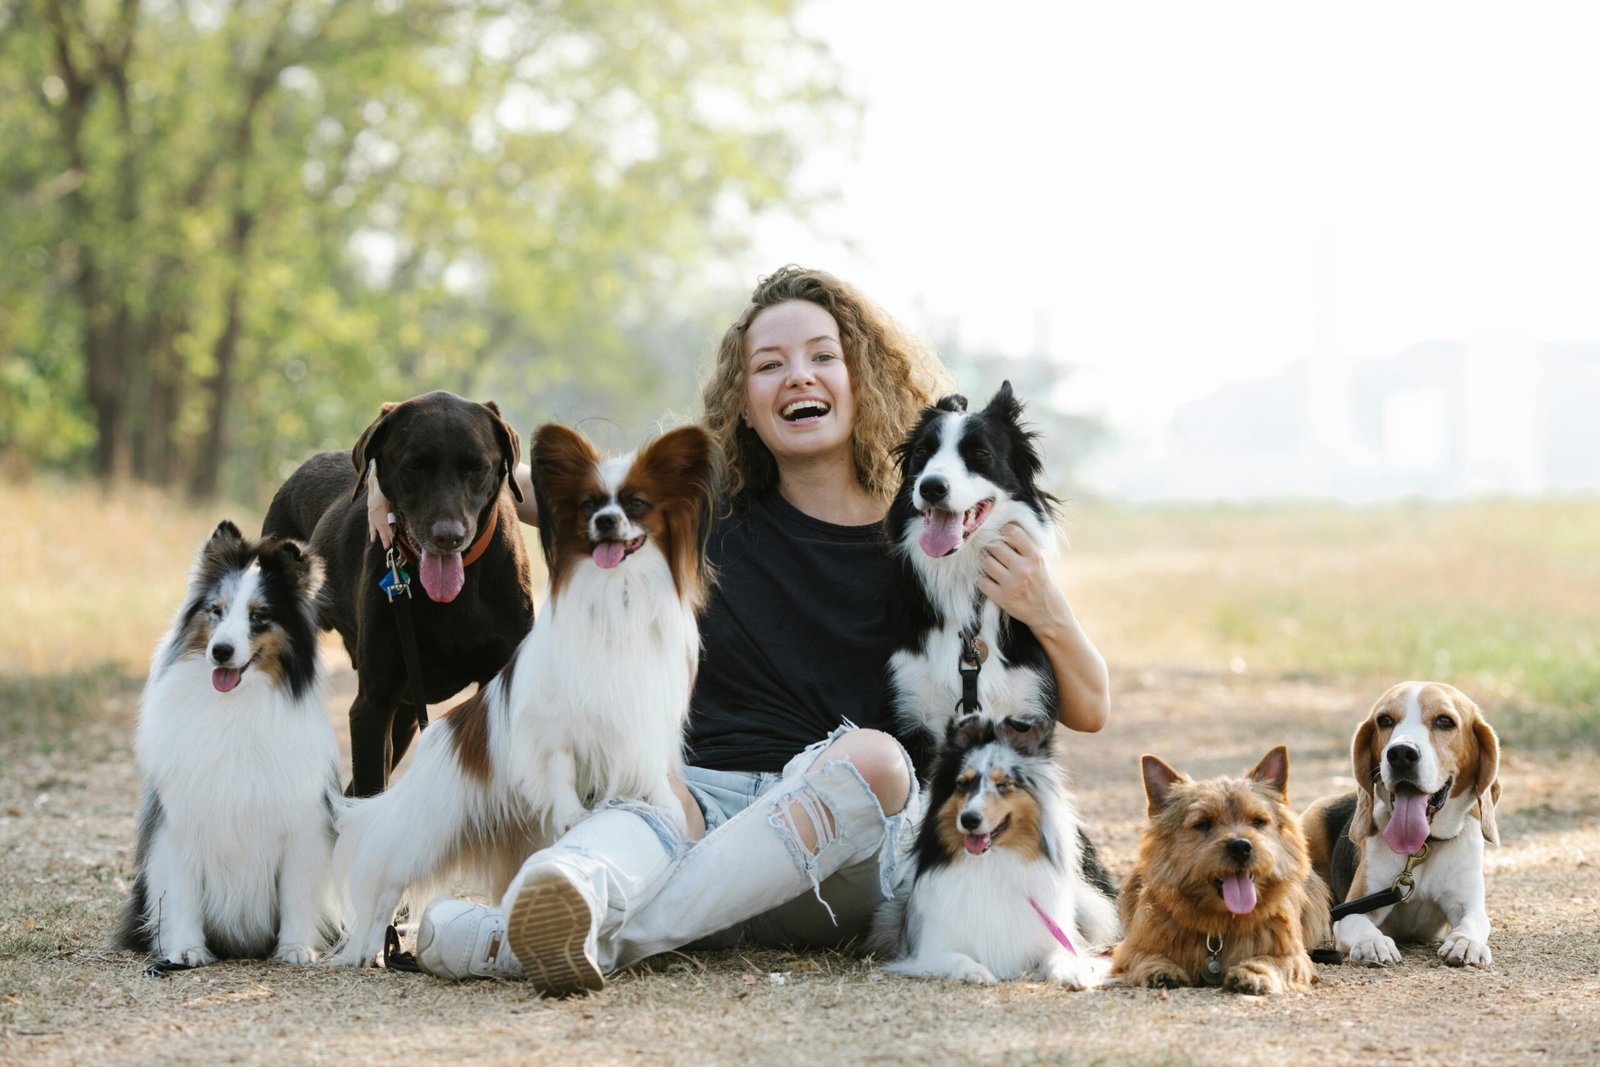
1055 931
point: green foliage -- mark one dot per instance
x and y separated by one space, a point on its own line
239 228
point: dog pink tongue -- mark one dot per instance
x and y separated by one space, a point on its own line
608 554
1408 826
1239 893
442 576
224 679
941 532
978 844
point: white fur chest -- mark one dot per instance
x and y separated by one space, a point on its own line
980 908
606 674
235 770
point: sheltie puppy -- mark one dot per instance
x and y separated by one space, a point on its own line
964 476
591 707
1003 885
240 768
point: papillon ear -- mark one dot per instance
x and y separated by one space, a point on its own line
561 460
1273 771
1158 782
1364 822
510 449
1486 786
367 445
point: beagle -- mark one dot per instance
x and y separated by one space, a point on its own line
1426 768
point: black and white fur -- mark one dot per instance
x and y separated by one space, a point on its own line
981 469
240 768
973 913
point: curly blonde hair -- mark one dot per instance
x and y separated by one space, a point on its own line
892 376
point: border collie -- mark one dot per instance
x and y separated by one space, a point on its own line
240 768
964 476
1004 884
591 707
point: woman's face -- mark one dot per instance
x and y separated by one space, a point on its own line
797 388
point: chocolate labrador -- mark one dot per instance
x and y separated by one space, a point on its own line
446 464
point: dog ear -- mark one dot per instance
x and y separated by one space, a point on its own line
967 731
510 449
954 402
1158 782
298 560
226 531
1029 735
367 444
1487 785
1273 771
1363 824
1004 402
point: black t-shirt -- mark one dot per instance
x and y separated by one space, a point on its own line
795 636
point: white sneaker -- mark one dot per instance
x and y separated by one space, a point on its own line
459 939
550 925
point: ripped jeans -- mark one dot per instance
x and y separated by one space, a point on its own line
839 908
751 878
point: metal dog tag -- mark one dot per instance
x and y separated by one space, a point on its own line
1211 973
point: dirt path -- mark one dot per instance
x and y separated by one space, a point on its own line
66 829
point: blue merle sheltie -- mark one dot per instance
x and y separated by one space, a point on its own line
1003 885
964 476
240 768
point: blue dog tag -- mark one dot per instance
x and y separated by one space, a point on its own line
391 588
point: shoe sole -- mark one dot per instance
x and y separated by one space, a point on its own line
547 928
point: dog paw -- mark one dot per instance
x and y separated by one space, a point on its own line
295 955
976 973
1459 950
183 959
1377 951
1254 979
1069 972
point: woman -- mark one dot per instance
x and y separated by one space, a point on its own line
795 783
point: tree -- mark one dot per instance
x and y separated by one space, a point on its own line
239 226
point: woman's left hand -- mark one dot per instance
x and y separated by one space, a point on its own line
1016 577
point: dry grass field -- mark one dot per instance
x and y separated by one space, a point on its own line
1228 629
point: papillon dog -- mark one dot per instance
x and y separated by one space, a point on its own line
591 707
240 768
964 476
1003 884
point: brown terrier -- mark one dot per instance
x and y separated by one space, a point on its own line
1223 893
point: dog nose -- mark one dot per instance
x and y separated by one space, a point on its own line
605 522
222 653
933 489
449 536
1402 757
970 821
1239 850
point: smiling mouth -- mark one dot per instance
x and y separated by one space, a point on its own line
1435 800
226 679
943 532
608 554
978 844
802 410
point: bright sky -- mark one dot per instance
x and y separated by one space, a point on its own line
1193 191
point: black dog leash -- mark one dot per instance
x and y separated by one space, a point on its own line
396 585
973 652
1399 890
